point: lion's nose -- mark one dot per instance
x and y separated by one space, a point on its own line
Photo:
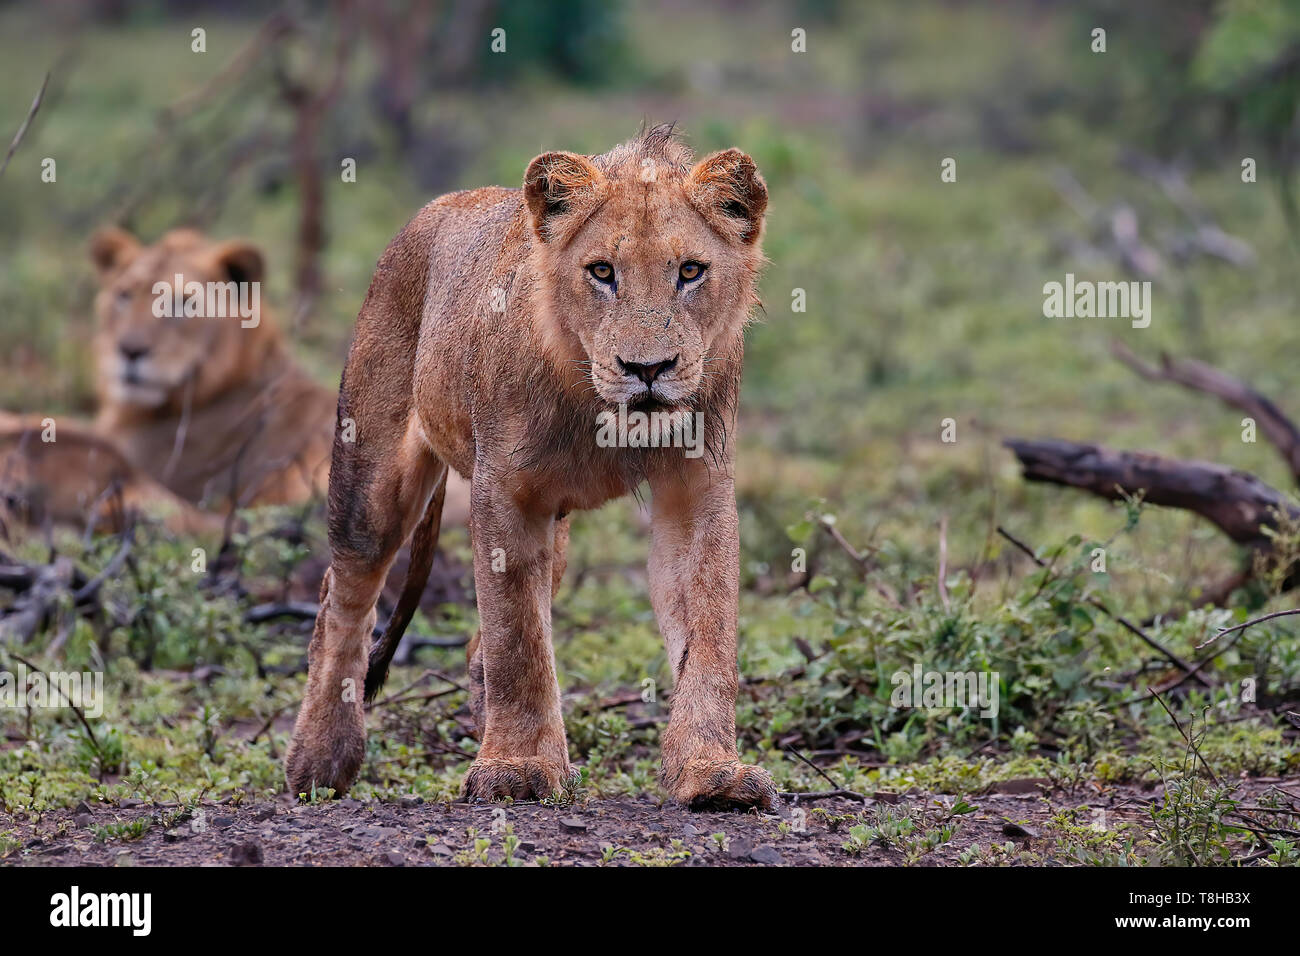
647 371
132 350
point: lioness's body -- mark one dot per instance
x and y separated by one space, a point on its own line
485 344
65 474
213 407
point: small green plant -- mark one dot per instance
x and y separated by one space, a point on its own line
659 856
610 853
122 830
1189 823
317 796
1285 852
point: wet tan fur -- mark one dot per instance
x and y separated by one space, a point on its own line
438 378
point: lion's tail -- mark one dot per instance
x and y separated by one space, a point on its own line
424 542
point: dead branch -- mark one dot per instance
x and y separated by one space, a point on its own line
1236 502
90 589
1187 737
54 685
32 608
1205 237
22 130
307 611
863 561
1246 624
301 610
1200 377
277 26
943 562
1115 226
796 797
821 773
1119 619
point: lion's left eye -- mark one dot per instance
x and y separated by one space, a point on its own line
602 272
690 271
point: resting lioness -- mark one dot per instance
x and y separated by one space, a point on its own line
212 406
499 326
208 405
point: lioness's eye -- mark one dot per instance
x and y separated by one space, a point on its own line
601 272
690 271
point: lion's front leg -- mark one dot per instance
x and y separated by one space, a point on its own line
524 753
694 584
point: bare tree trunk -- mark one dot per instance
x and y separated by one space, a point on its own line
310 106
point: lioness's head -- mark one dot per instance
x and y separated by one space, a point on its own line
153 345
648 263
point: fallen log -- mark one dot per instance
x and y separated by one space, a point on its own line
1236 502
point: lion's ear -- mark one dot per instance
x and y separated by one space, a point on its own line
729 192
111 249
241 261
562 190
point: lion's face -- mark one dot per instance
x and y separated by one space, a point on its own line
649 265
147 360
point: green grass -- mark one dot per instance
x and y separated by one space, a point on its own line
923 303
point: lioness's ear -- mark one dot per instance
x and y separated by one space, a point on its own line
728 190
561 190
111 249
240 260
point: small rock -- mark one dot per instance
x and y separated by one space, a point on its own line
765 854
1023 785
1017 830
171 836
128 803
245 853
264 813
739 849
441 849
690 832
573 824
83 820
393 858
57 850
410 803
222 822
82 807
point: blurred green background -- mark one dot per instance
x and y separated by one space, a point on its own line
924 298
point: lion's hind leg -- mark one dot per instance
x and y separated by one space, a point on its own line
377 497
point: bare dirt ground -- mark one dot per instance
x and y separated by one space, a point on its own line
631 831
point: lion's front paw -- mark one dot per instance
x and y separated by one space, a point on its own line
326 750
521 778
720 784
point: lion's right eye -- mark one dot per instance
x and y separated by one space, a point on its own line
602 272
